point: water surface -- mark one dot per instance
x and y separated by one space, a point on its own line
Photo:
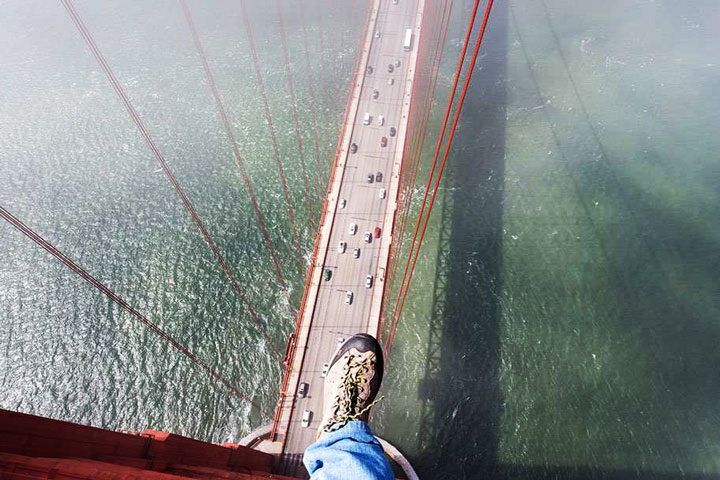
564 313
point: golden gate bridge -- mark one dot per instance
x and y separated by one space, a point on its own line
371 187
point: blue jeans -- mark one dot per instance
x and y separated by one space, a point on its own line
350 452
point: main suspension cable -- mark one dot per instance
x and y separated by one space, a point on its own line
448 109
77 20
47 246
458 111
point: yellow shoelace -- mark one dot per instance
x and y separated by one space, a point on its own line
345 402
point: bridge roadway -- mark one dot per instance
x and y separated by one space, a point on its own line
327 318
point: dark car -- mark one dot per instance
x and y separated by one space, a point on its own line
392 131
383 142
303 390
378 177
370 178
353 147
391 69
369 70
328 274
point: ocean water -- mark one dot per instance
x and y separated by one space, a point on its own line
564 314
75 168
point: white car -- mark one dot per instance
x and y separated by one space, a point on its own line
326 368
356 253
367 118
377 34
352 230
341 247
348 297
368 281
343 203
381 120
382 193
368 237
307 416
395 2
391 81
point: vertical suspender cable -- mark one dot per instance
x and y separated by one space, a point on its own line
415 169
233 144
313 101
77 20
296 122
40 241
437 58
415 154
271 128
326 97
448 109
461 101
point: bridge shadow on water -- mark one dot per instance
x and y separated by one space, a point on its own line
461 414
459 435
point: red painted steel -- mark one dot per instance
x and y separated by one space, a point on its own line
45 448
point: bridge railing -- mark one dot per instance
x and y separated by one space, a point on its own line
292 341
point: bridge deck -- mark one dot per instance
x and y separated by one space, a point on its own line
326 317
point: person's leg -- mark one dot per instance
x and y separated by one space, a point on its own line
351 452
346 448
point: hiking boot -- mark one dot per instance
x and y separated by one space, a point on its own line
352 382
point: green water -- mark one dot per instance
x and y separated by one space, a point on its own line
74 167
565 318
564 313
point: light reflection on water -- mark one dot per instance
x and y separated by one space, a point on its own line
563 321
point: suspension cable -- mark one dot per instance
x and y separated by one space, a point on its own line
271 128
313 100
448 109
327 97
77 20
47 246
458 111
418 147
296 122
233 143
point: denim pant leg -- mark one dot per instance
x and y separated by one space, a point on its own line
351 452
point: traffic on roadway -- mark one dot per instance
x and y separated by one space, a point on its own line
342 307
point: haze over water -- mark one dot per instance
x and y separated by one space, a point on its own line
564 321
